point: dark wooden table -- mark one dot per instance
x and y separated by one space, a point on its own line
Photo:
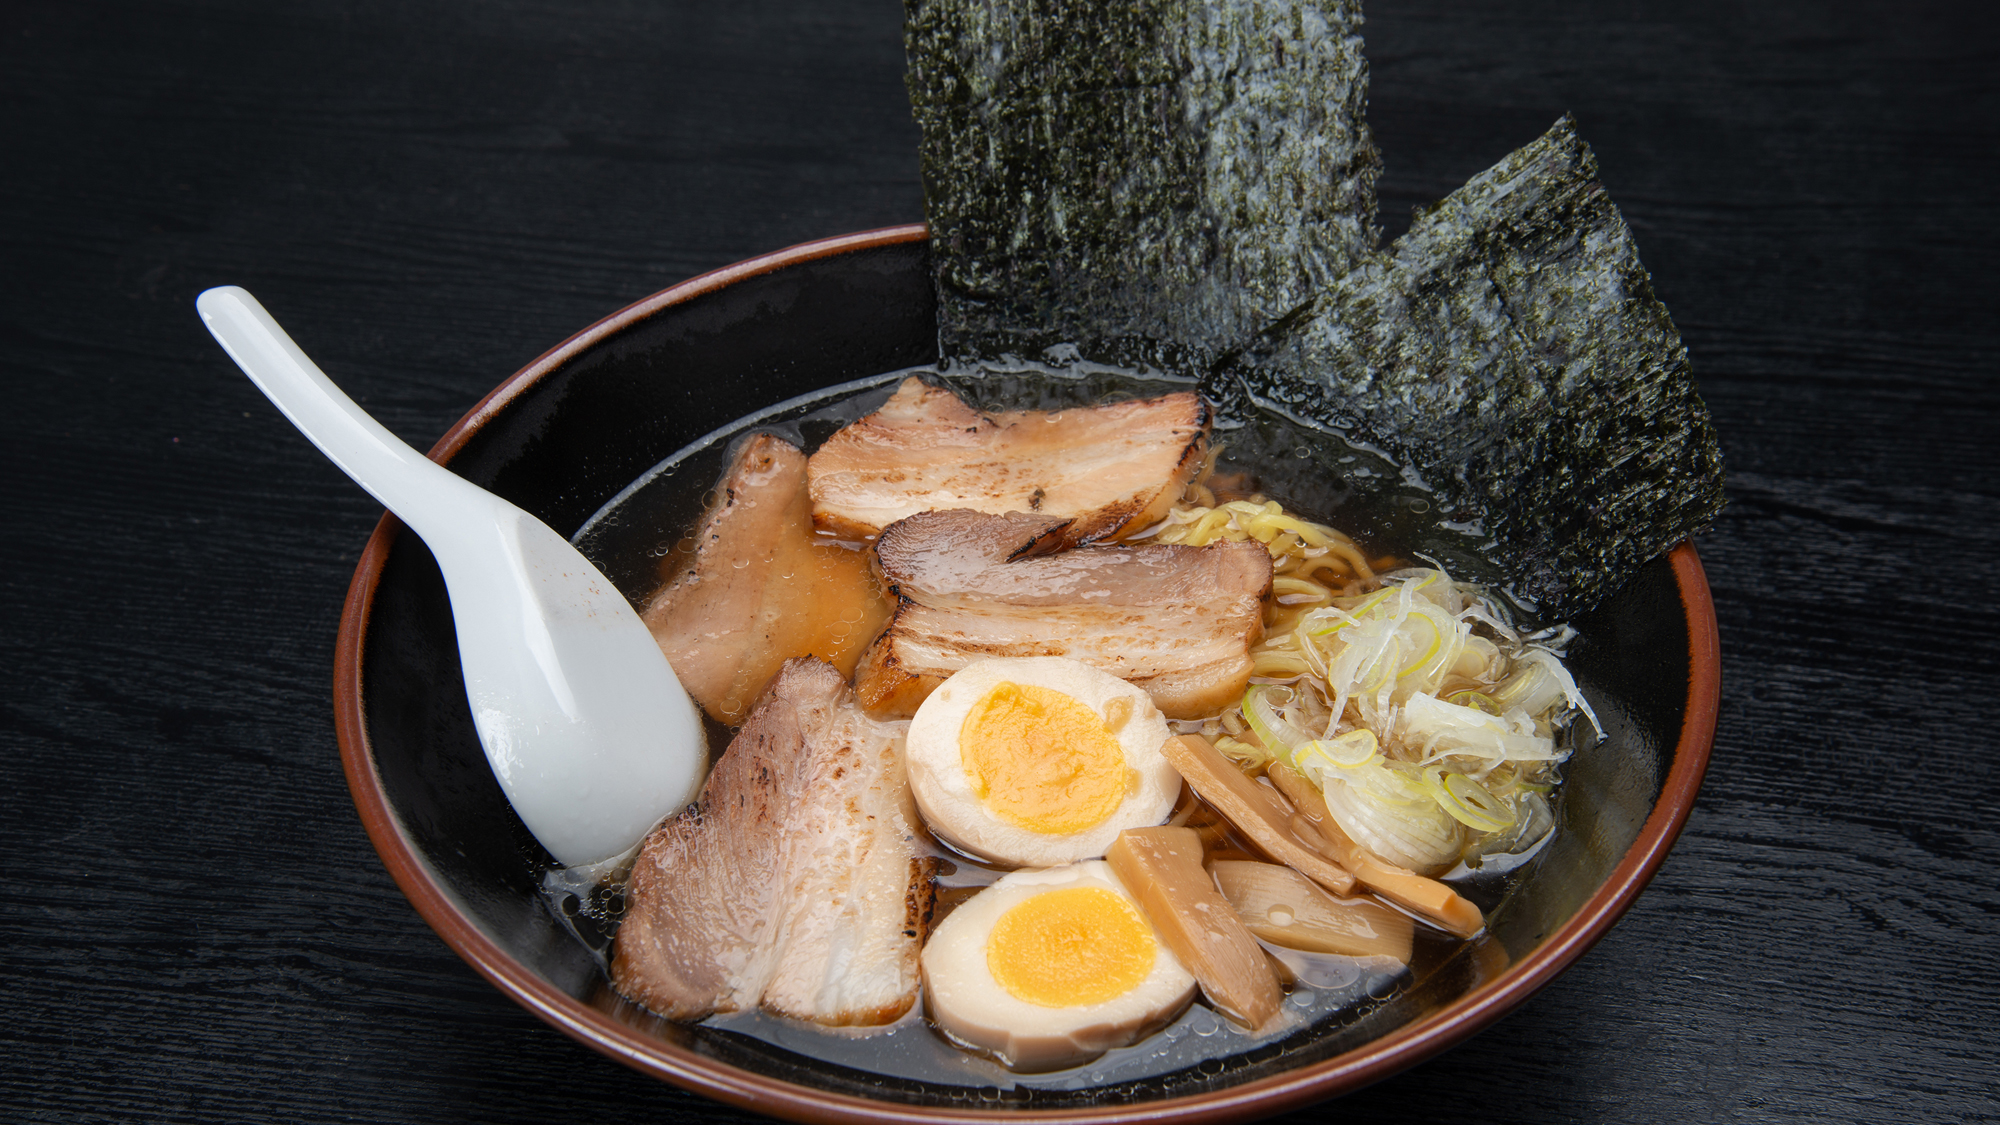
431 193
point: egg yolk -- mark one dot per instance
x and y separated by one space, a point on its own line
1040 760
1070 947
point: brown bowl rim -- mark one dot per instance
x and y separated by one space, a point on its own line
1341 1074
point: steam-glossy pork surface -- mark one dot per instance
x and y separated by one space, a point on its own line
761 588
794 882
1177 621
1109 470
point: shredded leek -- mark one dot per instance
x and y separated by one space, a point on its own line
1247 757
1387 811
1271 727
1477 700
1425 718
1467 801
1348 751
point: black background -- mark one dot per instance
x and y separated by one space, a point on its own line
430 194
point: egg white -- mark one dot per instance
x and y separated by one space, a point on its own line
953 810
972 1008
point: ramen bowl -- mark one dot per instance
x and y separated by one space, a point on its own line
573 429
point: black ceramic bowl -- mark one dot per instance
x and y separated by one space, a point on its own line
574 428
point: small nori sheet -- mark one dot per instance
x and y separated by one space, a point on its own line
1151 180
1510 349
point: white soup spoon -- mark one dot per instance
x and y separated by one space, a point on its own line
589 732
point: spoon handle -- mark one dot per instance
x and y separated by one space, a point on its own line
420 491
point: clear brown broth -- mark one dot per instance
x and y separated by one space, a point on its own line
1316 474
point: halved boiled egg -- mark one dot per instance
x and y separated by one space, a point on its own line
1049 969
1038 761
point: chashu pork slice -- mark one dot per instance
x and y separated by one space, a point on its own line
1175 620
1110 470
794 882
755 587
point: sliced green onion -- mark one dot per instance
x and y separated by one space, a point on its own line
1437 642
1468 801
1242 753
1348 751
1387 812
1477 700
1354 615
1392 783
1272 729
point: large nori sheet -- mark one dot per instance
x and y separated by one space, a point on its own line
1152 178
1510 349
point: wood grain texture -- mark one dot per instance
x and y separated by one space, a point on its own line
430 194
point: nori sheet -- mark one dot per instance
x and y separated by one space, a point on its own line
1191 186
1510 349
1151 180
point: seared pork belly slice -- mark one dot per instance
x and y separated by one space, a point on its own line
1175 620
794 882
761 588
1110 470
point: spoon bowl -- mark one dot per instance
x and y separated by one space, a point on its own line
588 730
